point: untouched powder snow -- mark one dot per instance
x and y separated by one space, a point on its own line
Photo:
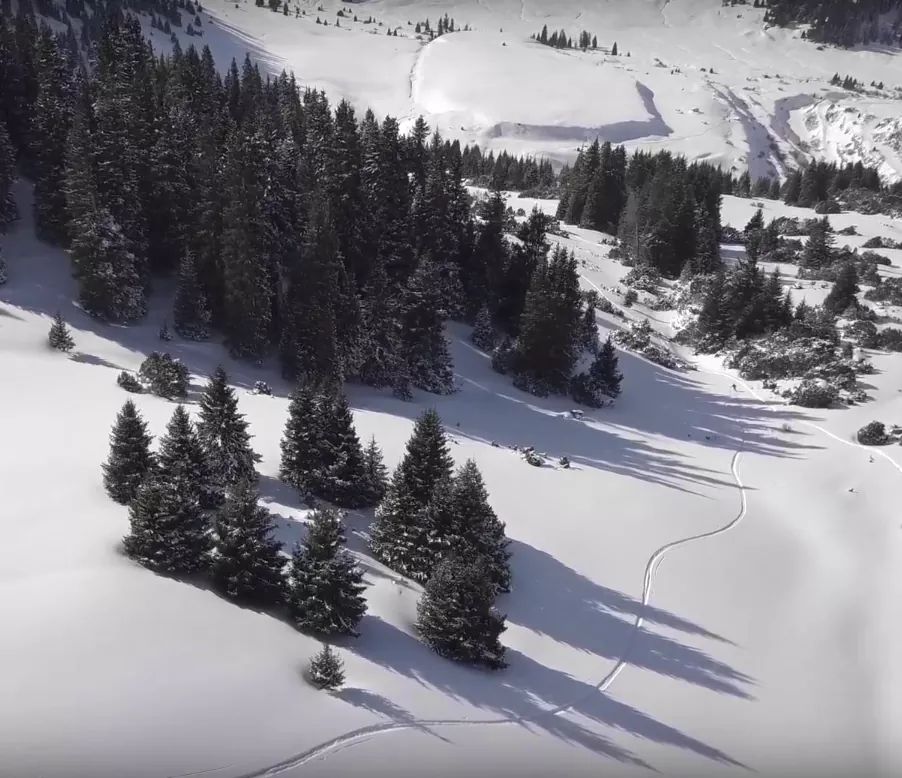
706 80
700 595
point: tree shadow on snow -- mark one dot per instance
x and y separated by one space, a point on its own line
526 694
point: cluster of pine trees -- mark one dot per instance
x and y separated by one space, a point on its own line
337 242
560 40
665 211
838 21
436 526
194 508
506 171
444 25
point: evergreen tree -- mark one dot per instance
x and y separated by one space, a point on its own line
190 313
182 462
400 534
423 336
130 462
59 336
819 248
326 670
342 477
302 440
375 472
325 586
455 616
169 530
222 431
842 295
7 177
602 379
247 564
483 336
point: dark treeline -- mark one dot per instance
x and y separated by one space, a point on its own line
560 40
665 211
838 21
335 241
508 172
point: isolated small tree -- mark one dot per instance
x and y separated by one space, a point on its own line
842 295
455 616
130 460
222 430
326 670
325 587
375 472
247 564
59 336
164 376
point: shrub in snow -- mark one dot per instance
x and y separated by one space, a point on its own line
827 206
503 357
630 297
729 234
888 291
164 376
862 333
873 434
890 339
326 670
483 336
877 259
644 278
814 394
128 382
59 336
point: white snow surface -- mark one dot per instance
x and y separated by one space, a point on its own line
707 81
701 594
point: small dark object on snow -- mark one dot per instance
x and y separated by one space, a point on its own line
576 413
261 387
128 382
165 334
496 444
565 463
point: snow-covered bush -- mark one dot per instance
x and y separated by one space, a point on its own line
877 259
128 382
630 297
889 339
873 434
827 206
862 333
644 278
889 290
503 357
326 670
814 394
164 376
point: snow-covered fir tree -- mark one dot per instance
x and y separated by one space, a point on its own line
247 564
601 381
130 462
456 617
222 430
325 586
341 477
302 440
400 534
326 670
375 472
423 335
181 460
59 337
484 331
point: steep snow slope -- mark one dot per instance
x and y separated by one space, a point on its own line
705 80
766 591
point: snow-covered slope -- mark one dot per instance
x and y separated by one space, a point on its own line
701 594
702 79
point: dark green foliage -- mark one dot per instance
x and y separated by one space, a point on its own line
130 461
842 295
302 440
819 248
873 434
128 382
422 333
223 434
181 460
837 21
7 177
325 586
190 313
375 472
59 336
342 476
247 564
326 669
399 536
602 380
484 331
164 376
455 616
546 350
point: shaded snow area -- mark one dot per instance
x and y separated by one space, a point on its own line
707 81
711 589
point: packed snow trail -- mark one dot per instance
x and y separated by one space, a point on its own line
350 739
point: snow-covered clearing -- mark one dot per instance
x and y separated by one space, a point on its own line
700 594
701 79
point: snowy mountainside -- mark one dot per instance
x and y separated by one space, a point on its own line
704 80
687 597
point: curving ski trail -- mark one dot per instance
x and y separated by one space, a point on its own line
362 735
